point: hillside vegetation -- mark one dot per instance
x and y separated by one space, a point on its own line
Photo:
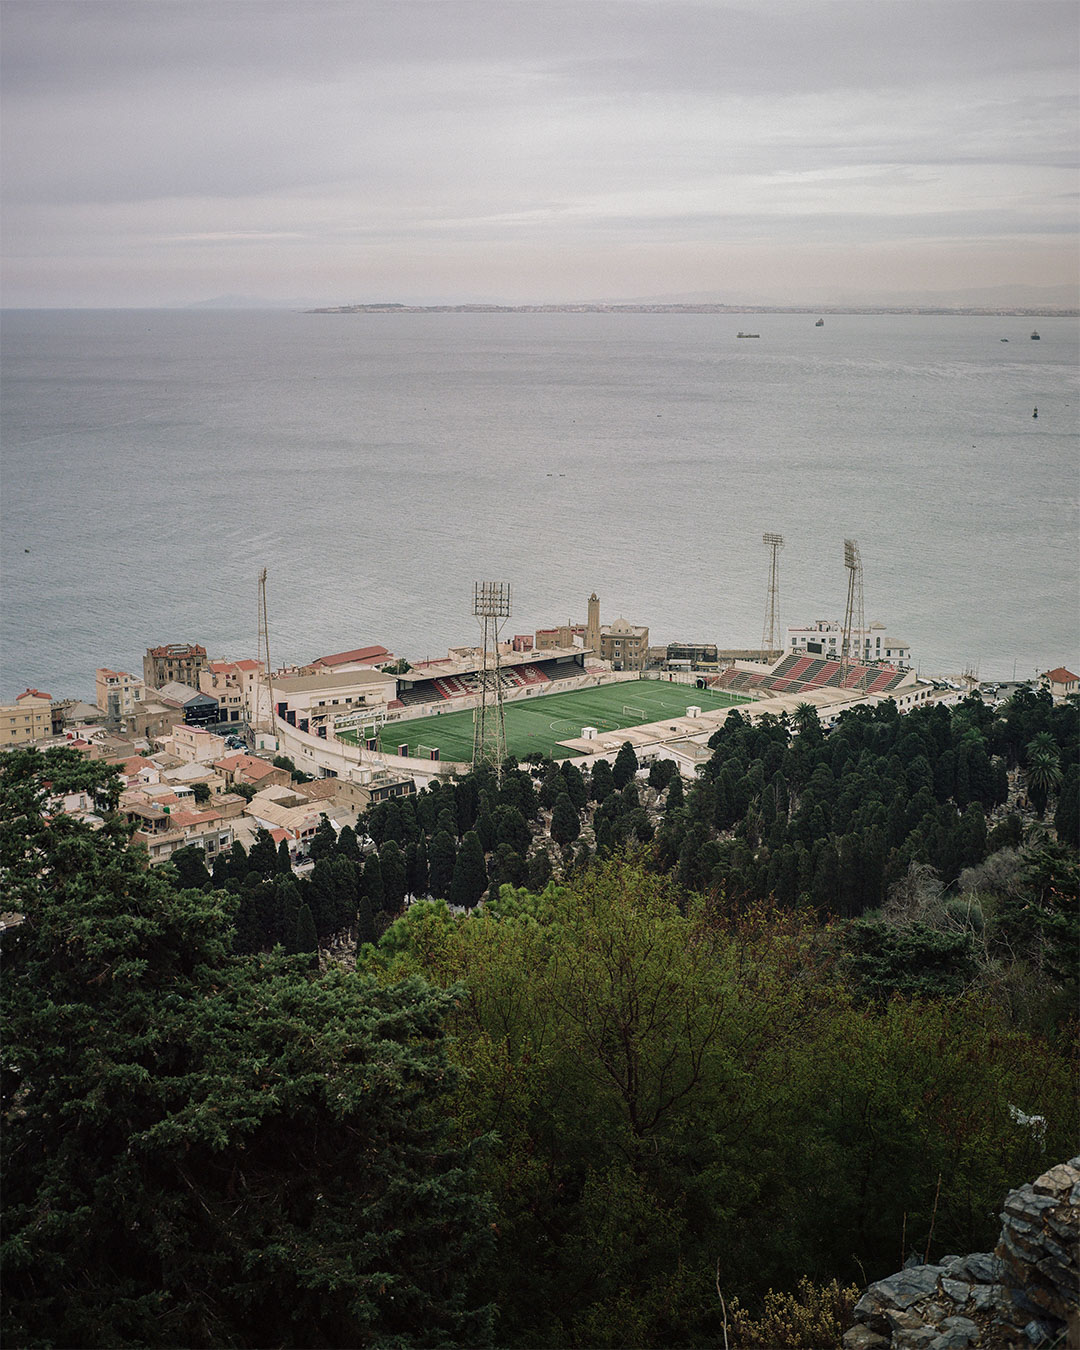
771 1031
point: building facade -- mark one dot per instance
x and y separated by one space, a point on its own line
26 720
117 693
179 662
824 637
625 645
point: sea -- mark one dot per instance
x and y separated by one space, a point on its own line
152 463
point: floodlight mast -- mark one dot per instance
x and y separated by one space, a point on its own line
770 634
853 612
491 605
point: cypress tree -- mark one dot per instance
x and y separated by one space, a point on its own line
306 938
575 785
601 783
441 865
565 825
373 882
392 864
284 859
626 764
470 875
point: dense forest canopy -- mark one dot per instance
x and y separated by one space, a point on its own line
767 1030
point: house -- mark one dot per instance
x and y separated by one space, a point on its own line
117 693
251 770
198 709
625 645
26 720
360 658
194 745
1060 682
234 684
181 662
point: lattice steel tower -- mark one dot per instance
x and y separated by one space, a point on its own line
854 625
770 634
491 605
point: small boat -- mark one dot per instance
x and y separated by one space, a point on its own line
1035 335
1003 339
742 334
820 323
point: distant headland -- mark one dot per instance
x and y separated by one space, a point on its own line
1033 311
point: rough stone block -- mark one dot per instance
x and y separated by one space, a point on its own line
957 1290
863 1338
983 1267
1057 1180
920 1339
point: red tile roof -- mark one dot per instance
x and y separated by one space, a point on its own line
32 693
360 654
1061 676
247 664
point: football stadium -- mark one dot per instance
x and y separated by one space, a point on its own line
541 724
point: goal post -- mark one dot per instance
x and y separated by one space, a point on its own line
639 713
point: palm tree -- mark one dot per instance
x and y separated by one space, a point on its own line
1043 769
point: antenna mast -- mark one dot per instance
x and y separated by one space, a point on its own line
264 650
491 604
770 634
854 625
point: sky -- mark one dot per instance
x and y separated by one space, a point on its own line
164 152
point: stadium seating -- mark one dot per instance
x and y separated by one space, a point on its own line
417 694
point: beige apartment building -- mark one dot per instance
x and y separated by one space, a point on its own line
235 686
625 645
26 720
117 693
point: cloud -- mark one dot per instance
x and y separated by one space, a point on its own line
182 126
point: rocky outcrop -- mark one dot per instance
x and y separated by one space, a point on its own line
1025 1293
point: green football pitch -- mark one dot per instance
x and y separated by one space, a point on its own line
541 722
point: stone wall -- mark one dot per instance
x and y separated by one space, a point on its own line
1025 1293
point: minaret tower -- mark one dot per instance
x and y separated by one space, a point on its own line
592 627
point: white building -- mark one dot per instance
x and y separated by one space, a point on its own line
824 637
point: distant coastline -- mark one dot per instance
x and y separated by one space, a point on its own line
1039 311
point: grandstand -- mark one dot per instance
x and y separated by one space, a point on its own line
797 673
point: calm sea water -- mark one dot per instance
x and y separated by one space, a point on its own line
154 461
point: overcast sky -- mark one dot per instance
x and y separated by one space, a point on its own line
167 151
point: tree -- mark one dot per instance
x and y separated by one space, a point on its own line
203 1149
565 824
625 765
190 864
601 783
470 874
441 864
392 863
307 942
201 793
324 841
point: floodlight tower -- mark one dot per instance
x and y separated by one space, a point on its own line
854 625
491 605
770 634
